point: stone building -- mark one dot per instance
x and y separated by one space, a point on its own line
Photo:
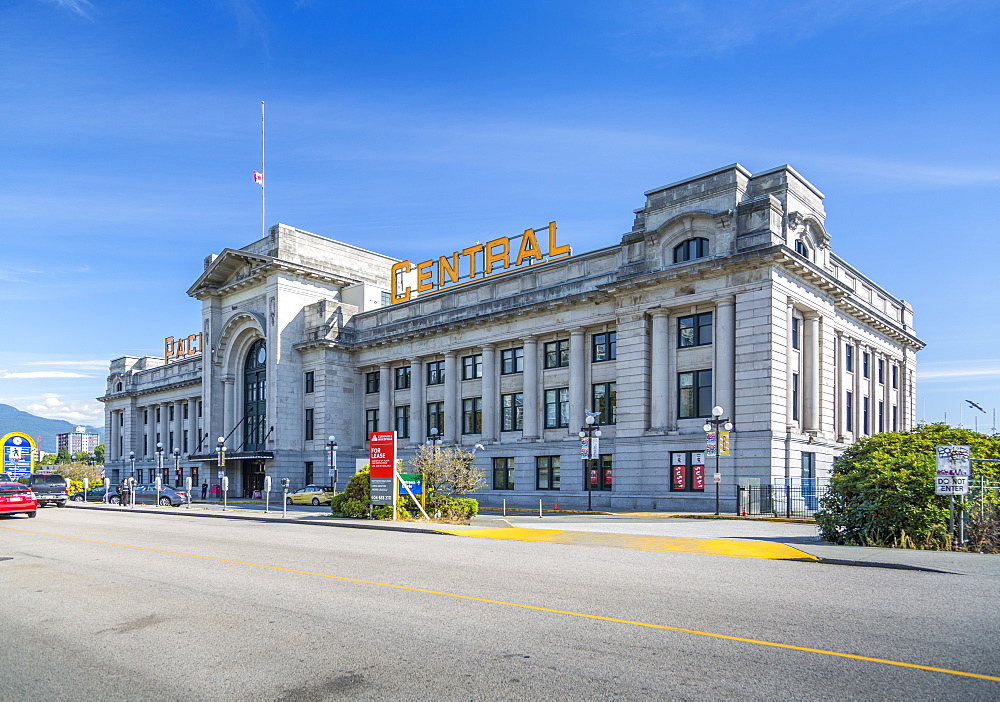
724 293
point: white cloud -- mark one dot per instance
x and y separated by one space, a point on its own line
959 371
6 374
80 7
53 407
99 363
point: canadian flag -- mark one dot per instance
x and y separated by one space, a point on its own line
258 178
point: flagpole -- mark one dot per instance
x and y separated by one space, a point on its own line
263 179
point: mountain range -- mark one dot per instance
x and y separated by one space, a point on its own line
43 430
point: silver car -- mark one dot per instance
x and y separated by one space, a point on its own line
147 494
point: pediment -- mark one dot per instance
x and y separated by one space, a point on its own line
230 267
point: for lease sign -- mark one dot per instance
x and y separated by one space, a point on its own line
381 460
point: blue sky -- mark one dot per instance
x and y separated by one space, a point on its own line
129 130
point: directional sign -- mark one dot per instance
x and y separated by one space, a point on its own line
18 454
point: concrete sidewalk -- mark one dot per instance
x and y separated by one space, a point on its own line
728 535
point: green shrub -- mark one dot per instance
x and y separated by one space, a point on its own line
882 489
354 502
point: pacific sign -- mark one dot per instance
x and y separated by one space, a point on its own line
179 349
476 262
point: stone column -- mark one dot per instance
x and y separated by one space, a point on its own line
810 371
859 400
178 428
578 401
111 451
791 365
228 413
418 409
724 377
490 397
154 428
451 406
531 389
358 436
840 387
385 418
659 369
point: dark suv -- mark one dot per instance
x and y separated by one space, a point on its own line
49 488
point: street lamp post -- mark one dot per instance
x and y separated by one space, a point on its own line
159 459
220 453
331 456
589 431
714 425
177 467
434 439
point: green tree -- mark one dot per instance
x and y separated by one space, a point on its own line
99 454
882 488
63 455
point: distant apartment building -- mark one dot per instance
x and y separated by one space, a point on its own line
77 440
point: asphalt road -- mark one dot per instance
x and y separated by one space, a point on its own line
116 605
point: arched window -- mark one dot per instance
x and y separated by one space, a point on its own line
691 249
255 397
801 248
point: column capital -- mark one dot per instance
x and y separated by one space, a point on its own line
451 354
658 312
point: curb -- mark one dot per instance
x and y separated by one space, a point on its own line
276 520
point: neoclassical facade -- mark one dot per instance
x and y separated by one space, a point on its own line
724 293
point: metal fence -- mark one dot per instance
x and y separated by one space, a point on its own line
797 500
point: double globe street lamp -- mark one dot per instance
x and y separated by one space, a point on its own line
590 431
331 457
714 424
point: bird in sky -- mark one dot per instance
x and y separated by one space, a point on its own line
973 404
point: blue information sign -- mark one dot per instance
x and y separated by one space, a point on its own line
18 454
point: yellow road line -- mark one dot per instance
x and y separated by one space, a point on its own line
675 544
536 608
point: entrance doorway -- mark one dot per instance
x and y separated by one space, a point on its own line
253 477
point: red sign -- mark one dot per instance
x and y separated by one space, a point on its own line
607 477
593 477
382 455
680 477
697 477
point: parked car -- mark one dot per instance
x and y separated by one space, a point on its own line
93 495
311 495
146 494
48 488
16 498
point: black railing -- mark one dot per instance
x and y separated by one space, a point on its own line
780 500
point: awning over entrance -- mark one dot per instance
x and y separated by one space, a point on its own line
235 456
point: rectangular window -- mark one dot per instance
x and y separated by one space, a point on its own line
604 472
185 412
403 421
694 398
557 354
795 332
145 416
512 412
472 415
503 473
865 363
310 475
170 442
557 408
849 411
849 358
435 373
605 347
472 367
309 425
435 417
371 420
199 408
603 396
864 416
157 415
881 416
795 396
402 377
694 330
547 472
895 376
310 381
511 361
170 413
881 371
371 382
184 448
895 418
687 471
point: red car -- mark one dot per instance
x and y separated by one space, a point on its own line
16 498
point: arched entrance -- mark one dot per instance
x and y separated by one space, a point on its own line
255 397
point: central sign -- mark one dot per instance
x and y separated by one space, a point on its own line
476 262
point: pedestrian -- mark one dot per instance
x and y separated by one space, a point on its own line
204 489
124 497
